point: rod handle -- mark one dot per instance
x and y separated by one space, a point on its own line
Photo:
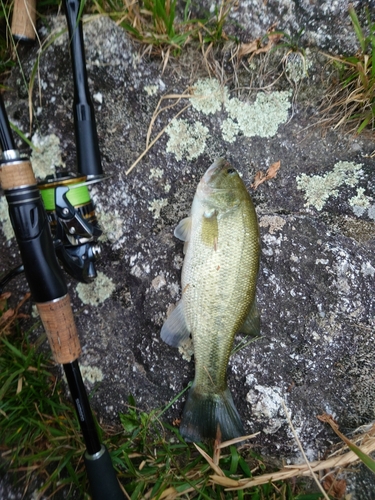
58 321
102 476
24 19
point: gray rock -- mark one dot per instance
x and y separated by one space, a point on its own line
317 220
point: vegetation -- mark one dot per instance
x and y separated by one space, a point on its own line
351 99
39 436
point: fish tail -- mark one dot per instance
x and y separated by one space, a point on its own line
205 414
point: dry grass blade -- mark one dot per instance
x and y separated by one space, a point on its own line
188 94
303 453
237 440
211 463
334 461
159 110
154 141
368 461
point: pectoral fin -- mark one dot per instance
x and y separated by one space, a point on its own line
210 229
251 325
175 331
183 229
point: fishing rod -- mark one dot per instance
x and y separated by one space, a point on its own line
49 291
56 218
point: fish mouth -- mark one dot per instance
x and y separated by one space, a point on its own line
217 165
205 186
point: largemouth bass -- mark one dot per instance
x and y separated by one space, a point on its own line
218 281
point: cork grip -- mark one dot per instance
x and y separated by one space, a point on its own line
16 174
58 322
23 20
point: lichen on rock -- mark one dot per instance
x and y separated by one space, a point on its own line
97 292
319 188
46 156
186 140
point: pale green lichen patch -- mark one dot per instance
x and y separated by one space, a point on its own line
208 96
318 188
297 65
186 140
186 350
274 222
263 117
6 225
91 374
97 292
156 205
360 202
111 224
156 173
46 155
230 130
260 118
151 89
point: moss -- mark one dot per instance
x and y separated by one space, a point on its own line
97 292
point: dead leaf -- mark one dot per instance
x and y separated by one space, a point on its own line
335 487
260 177
256 46
9 316
3 300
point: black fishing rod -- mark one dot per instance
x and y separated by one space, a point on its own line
87 144
49 291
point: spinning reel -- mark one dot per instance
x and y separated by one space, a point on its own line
73 223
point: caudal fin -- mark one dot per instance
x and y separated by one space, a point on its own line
204 413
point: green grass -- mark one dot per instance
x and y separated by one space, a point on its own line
156 24
39 437
351 100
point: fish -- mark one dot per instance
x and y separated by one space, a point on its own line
218 282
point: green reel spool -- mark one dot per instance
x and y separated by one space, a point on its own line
77 197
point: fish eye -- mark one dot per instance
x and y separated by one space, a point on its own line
231 171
